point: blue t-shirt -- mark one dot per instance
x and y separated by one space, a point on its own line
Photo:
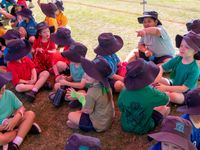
156 146
30 27
195 136
159 45
112 60
9 103
76 72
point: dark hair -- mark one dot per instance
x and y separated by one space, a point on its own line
197 56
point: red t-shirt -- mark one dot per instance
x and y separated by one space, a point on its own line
58 57
21 70
43 61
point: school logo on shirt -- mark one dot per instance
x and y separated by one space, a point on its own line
179 127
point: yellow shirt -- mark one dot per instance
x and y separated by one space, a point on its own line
61 20
51 22
2 31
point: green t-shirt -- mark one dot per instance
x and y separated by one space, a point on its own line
101 108
184 74
136 107
9 103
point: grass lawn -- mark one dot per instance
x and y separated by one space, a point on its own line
89 18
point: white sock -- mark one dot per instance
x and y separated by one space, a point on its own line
18 140
5 147
35 90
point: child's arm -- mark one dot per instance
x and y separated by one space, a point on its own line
6 14
150 30
39 2
15 120
7 137
168 88
117 77
78 85
33 76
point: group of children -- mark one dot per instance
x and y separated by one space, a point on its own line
34 51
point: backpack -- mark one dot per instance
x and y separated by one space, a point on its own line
81 142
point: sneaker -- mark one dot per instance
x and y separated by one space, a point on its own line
51 96
13 146
35 129
30 95
75 104
47 86
31 5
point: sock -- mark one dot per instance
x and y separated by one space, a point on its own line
18 140
35 90
5 147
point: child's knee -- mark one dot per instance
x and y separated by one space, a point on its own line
177 98
61 65
19 88
57 86
119 85
45 74
29 114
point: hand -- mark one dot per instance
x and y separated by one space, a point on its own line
141 33
69 92
148 53
2 127
11 124
31 81
161 87
39 50
63 82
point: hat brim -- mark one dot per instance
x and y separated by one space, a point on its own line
6 77
173 138
21 54
144 79
61 42
23 14
71 56
47 11
90 69
141 19
99 50
191 111
178 40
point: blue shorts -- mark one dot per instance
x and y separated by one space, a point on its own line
85 123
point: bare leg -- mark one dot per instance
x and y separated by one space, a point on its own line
164 81
23 87
164 110
26 124
119 85
177 98
44 75
74 118
133 55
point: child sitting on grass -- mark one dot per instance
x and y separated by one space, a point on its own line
191 111
142 107
61 19
25 78
15 121
184 69
174 135
97 111
155 44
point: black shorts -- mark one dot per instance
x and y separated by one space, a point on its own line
157 117
85 123
156 60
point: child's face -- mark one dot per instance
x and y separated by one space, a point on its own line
57 12
149 22
170 146
2 91
185 50
45 33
